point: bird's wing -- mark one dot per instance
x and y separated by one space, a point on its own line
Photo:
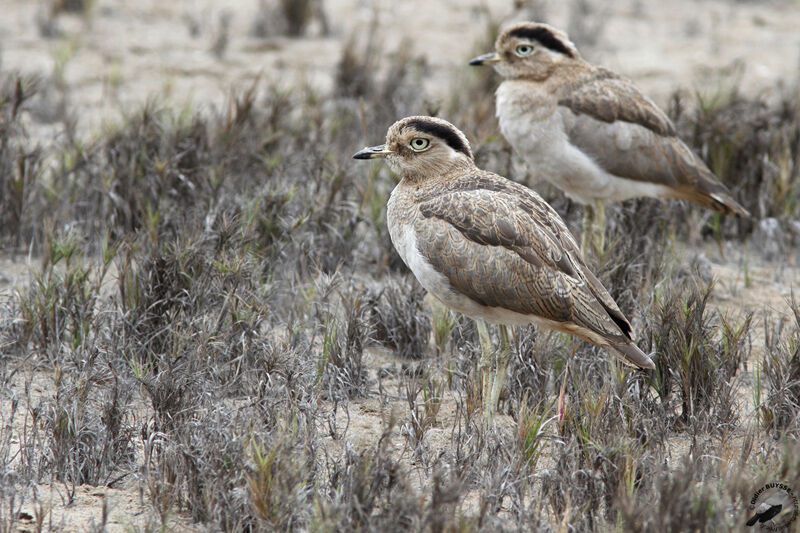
607 97
505 247
626 134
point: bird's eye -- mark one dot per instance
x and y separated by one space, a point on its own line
419 144
524 49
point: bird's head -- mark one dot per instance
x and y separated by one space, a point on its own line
418 147
529 50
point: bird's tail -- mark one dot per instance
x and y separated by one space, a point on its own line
630 354
718 200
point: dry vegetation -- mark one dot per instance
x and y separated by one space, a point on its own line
221 323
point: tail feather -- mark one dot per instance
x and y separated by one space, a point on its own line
719 200
726 204
631 354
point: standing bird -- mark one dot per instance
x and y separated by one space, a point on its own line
590 132
491 248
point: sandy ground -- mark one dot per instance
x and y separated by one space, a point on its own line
121 54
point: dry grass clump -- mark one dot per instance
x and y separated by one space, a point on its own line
700 354
401 321
369 490
70 6
778 403
754 148
535 369
21 162
289 17
346 331
363 74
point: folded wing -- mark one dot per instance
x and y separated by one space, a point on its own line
609 119
509 249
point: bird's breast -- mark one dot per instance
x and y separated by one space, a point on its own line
401 212
528 117
530 122
404 239
524 99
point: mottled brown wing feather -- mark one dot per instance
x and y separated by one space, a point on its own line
540 210
531 203
607 97
609 119
509 249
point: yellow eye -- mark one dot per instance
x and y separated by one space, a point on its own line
524 49
419 144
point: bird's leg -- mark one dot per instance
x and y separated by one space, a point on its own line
485 366
594 227
599 226
492 372
502 357
588 225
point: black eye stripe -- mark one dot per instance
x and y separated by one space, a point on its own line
543 36
443 132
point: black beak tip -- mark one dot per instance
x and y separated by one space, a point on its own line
371 152
476 62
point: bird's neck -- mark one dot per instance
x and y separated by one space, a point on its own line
567 68
436 171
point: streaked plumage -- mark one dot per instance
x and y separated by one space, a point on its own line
489 247
587 130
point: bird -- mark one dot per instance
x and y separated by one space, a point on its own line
491 248
590 132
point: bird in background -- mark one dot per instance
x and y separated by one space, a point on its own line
590 132
491 248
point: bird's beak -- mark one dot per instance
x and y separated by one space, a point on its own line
372 152
485 59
